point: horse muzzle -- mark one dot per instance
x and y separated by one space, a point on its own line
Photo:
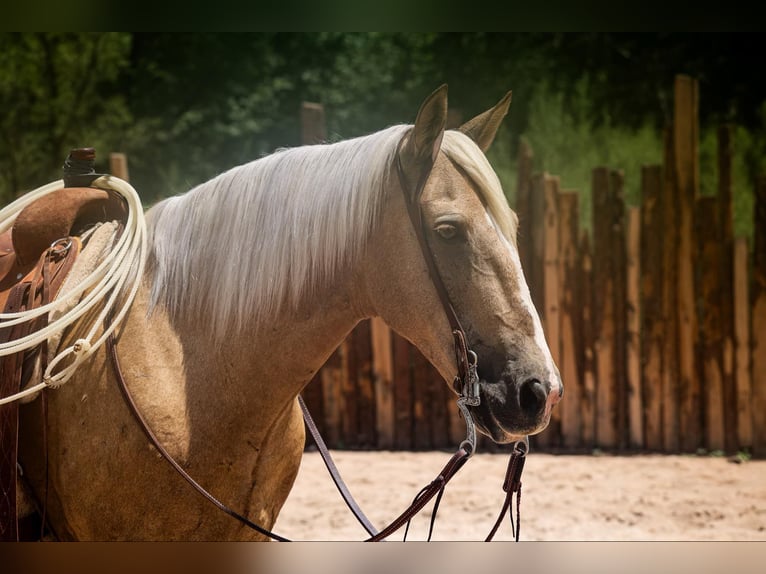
514 407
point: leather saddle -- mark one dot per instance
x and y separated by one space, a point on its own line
36 255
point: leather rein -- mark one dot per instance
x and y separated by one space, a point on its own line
466 383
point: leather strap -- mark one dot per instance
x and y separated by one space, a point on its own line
416 218
333 470
39 287
511 485
115 362
433 488
10 383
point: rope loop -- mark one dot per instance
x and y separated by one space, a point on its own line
110 287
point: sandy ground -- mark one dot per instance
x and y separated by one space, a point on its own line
564 497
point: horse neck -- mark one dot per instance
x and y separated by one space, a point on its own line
257 372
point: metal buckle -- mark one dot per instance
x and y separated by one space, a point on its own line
471 386
60 246
469 396
469 444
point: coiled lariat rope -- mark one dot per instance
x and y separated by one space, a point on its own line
118 273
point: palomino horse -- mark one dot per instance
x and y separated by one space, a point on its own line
253 279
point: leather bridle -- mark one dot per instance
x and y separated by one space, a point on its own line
466 383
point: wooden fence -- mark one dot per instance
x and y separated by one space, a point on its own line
656 318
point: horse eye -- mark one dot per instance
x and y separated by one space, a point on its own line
446 231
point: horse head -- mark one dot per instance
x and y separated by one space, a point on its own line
471 233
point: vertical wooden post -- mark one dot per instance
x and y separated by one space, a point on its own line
609 312
313 128
653 330
670 387
726 213
402 394
619 257
710 343
550 311
586 346
569 295
454 118
536 243
633 330
685 148
523 207
350 390
118 166
332 378
742 343
439 413
365 393
759 321
421 400
551 320
604 311
312 396
383 377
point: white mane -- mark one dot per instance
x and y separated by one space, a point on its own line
267 233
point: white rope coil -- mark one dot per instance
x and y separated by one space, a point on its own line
112 286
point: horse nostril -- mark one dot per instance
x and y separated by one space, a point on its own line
532 397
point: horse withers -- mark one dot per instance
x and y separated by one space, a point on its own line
253 279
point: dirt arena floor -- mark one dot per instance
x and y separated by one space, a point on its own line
564 497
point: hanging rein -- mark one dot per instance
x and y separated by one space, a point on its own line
466 383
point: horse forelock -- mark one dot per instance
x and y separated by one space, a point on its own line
239 247
463 151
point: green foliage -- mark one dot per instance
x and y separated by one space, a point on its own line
57 91
566 144
185 107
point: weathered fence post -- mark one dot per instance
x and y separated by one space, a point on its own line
685 145
670 394
363 391
759 321
313 127
383 381
402 394
619 255
709 237
523 208
653 329
633 329
118 166
586 347
742 358
536 242
569 296
550 311
609 312
726 210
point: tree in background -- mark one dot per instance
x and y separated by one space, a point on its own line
188 106
57 91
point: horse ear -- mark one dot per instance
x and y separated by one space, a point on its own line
425 139
482 128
